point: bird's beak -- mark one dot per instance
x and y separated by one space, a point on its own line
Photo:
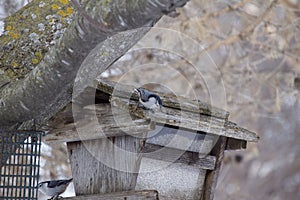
136 90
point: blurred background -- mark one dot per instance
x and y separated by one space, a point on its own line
243 56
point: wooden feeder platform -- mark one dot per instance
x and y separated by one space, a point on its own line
107 139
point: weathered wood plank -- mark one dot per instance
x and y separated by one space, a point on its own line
212 176
178 156
105 126
188 120
172 101
105 165
232 130
127 195
172 116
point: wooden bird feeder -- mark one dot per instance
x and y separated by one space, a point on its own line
107 140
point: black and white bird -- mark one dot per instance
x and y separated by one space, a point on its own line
54 188
148 99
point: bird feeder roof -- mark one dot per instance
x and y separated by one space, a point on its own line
178 111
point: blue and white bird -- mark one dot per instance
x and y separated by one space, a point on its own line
148 99
54 188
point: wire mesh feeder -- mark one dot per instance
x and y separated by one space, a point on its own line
20 160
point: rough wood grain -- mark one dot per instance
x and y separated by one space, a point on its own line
178 156
171 115
104 126
127 195
172 101
105 165
212 176
188 120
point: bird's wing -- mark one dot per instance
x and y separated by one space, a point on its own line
159 100
55 183
152 99
156 97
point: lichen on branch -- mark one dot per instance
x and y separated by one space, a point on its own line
29 33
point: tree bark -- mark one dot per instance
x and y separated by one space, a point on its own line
46 88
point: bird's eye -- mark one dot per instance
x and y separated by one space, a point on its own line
40 185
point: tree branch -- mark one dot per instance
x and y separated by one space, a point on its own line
36 96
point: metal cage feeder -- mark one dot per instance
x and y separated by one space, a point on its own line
20 161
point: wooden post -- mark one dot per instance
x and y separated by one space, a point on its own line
212 176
